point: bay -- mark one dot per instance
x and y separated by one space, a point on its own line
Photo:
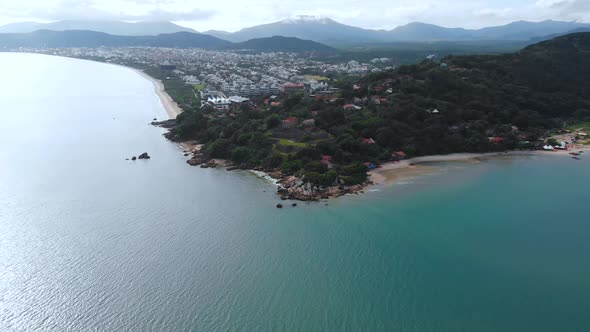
92 242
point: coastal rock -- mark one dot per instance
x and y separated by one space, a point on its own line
134 158
168 124
276 175
294 204
144 155
279 206
194 162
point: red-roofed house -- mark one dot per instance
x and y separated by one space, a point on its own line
398 155
497 139
290 122
292 87
368 141
327 160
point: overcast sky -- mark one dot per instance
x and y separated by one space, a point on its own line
232 15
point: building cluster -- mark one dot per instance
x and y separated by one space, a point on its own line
230 73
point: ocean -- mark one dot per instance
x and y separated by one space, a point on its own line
90 241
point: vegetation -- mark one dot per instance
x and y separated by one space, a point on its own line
199 87
317 77
579 126
175 87
288 142
475 103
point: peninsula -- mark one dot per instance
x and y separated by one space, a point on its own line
323 145
321 138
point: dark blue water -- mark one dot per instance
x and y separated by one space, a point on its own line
92 242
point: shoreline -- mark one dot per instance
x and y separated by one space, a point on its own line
391 172
171 107
388 173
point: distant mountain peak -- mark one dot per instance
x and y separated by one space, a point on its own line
146 28
307 19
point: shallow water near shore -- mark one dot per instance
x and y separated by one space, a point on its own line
90 241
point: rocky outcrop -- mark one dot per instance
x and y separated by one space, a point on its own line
144 155
292 188
210 164
196 161
168 124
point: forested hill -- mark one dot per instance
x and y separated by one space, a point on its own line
461 104
284 44
560 64
82 38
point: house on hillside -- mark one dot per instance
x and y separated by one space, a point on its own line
308 123
327 160
398 155
219 103
352 107
290 88
290 122
367 141
496 139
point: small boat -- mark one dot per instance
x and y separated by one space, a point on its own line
576 158
574 154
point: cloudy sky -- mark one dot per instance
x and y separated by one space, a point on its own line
232 15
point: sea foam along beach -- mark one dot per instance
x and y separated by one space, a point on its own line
171 107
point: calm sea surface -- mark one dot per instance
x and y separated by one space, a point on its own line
92 242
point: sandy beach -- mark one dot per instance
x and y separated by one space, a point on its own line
393 171
172 108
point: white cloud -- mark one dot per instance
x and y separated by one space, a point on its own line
127 10
235 14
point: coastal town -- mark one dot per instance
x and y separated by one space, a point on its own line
229 73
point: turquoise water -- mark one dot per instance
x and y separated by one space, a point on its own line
92 242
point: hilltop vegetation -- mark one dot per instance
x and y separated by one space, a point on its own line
461 104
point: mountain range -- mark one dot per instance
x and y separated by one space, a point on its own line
322 30
328 31
82 38
111 27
